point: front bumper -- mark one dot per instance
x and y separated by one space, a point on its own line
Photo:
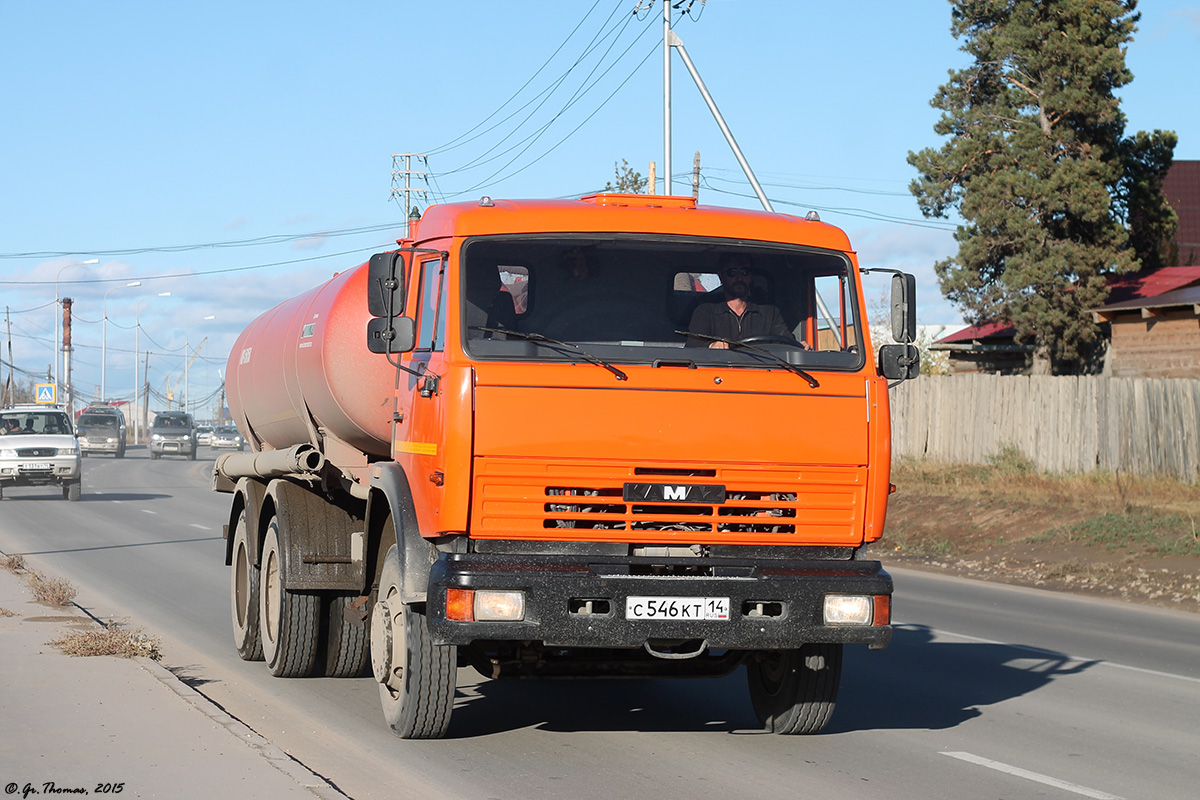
53 471
177 447
557 590
99 446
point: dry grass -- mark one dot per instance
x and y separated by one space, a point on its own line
55 591
14 564
4 612
114 639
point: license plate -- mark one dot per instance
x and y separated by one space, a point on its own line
32 465
680 609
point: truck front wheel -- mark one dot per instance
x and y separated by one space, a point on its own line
243 596
416 677
795 691
289 625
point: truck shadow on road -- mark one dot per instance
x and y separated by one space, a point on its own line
921 684
916 684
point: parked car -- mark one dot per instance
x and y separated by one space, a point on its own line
101 429
227 436
173 434
203 434
38 448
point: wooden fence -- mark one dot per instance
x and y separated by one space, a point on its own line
1141 426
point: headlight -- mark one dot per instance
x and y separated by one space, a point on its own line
112 441
8 453
156 437
848 609
68 451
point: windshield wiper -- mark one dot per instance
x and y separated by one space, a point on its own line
783 362
537 337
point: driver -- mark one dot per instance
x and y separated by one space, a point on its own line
736 318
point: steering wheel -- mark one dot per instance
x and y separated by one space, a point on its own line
771 339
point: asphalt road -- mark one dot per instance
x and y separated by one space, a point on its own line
986 692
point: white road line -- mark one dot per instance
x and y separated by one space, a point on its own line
1069 658
201 527
148 511
1033 776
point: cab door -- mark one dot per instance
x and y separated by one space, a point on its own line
419 442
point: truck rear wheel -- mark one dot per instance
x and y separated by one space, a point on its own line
345 641
243 596
795 691
288 621
416 677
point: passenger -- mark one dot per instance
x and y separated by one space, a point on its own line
736 318
29 425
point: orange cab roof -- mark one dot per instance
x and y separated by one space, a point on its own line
612 213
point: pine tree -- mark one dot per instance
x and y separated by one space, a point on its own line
629 180
1036 167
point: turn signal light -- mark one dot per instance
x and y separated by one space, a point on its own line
485 605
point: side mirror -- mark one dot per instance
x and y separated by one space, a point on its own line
391 335
899 362
904 308
385 284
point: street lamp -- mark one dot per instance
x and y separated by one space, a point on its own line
58 316
104 341
137 310
187 362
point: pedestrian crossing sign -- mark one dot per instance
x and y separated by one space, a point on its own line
44 392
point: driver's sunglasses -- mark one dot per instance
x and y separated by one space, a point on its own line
733 272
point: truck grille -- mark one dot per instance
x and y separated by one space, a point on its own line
777 505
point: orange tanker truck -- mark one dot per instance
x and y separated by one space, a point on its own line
621 436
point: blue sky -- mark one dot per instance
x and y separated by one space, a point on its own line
236 154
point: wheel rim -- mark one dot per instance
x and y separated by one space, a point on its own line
271 589
388 641
772 671
241 585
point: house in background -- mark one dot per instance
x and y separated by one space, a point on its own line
1153 317
1154 324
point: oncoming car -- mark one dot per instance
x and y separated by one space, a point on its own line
101 429
227 436
38 448
173 434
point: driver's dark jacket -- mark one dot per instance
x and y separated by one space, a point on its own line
717 319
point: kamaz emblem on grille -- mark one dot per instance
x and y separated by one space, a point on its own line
675 492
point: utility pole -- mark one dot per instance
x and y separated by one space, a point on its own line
10 387
146 391
406 190
696 176
66 347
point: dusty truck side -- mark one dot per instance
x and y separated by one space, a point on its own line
509 444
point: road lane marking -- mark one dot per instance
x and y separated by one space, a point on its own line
1041 651
148 511
1032 776
201 527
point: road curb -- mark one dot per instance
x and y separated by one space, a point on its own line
318 785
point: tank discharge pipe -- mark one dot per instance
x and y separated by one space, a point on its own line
300 459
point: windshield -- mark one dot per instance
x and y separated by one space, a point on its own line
34 422
98 421
172 422
645 300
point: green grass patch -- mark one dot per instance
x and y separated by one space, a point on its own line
1155 532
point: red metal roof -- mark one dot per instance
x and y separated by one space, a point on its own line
1150 283
988 330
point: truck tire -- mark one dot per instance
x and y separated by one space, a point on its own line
795 691
346 654
73 491
289 624
244 597
416 677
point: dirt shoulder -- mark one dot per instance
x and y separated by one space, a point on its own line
1104 535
